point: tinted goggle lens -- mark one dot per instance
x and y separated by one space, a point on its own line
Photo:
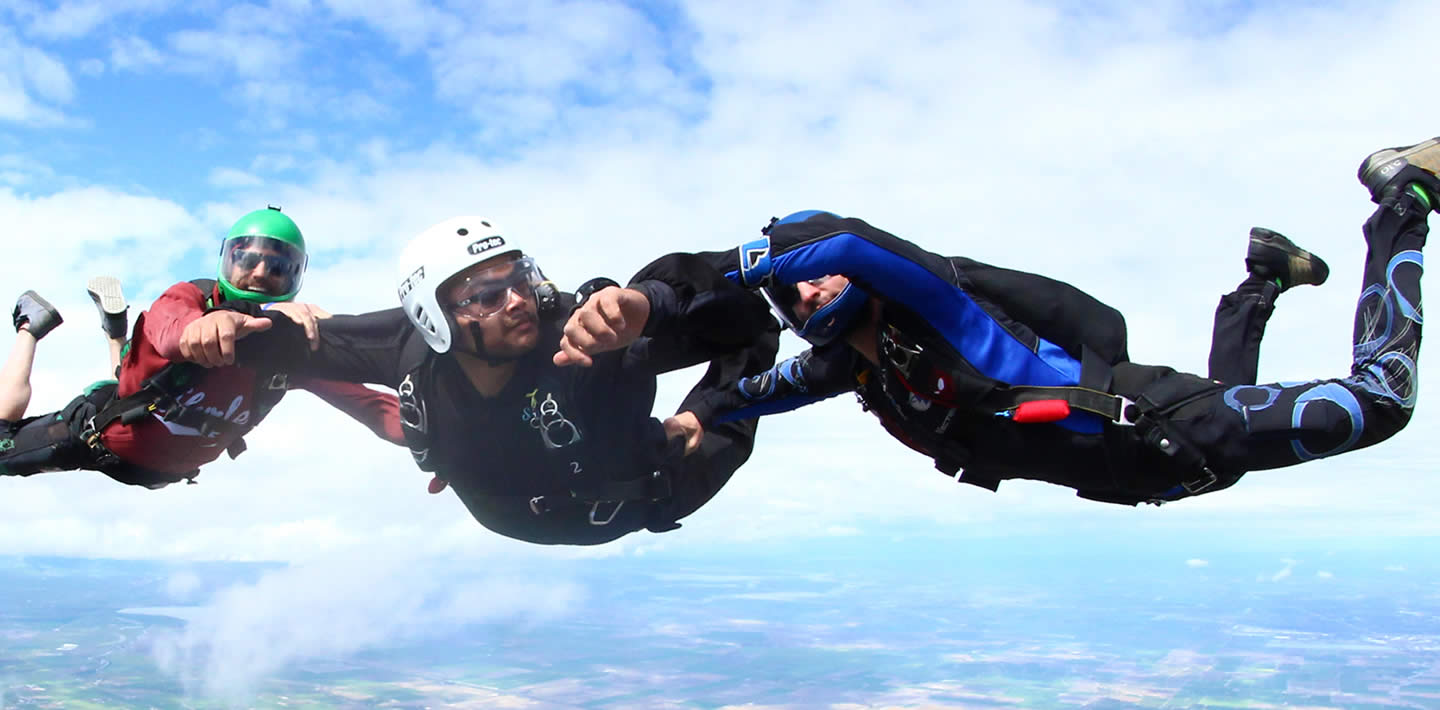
248 259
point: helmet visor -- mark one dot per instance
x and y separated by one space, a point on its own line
262 265
784 299
485 292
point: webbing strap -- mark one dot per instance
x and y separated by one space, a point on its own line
1115 408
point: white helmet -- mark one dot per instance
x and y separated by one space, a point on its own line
434 256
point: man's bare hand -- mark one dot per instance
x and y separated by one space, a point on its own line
687 425
611 319
210 339
308 315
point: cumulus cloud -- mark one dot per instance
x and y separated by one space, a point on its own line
249 632
182 586
33 83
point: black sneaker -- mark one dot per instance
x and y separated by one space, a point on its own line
109 299
1385 171
36 314
1274 257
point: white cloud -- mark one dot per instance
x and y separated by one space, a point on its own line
134 53
408 23
19 170
249 632
31 82
1283 573
1197 563
1322 574
90 67
183 586
76 18
229 178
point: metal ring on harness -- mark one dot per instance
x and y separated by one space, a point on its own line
595 507
539 506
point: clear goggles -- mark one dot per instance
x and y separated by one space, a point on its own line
265 264
485 292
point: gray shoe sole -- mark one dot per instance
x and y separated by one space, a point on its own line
1380 166
105 291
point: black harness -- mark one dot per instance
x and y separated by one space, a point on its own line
580 458
935 394
161 394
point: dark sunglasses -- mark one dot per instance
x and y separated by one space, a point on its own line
274 263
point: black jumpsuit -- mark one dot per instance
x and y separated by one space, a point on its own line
993 329
515 458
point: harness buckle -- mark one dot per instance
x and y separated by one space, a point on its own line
901 356
1129 412
91 437
595 507
1201 483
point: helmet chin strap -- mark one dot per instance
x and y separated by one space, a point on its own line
547 303
477 340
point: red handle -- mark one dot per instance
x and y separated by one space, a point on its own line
1042 411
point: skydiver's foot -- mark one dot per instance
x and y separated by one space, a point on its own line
1275 258
1415 167
109 299
35 315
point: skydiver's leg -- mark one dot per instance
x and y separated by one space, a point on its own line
15 377
34 317
1240 321
1254 427
109 300
1275 264
725 447
39 444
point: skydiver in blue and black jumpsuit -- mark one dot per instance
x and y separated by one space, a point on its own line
999 374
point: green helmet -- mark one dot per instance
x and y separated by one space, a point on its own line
262 258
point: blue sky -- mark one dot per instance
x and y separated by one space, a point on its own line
1125 149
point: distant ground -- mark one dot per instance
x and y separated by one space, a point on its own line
974 628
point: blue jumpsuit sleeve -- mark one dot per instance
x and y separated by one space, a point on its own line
926 284
814 375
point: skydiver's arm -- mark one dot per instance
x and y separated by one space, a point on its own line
695 312
166 319
921 284
877 261
807 378
378 411
359 348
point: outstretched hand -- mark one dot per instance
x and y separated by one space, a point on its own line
687 425
307 315
611 319
210 339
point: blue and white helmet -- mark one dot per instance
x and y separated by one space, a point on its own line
833 319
